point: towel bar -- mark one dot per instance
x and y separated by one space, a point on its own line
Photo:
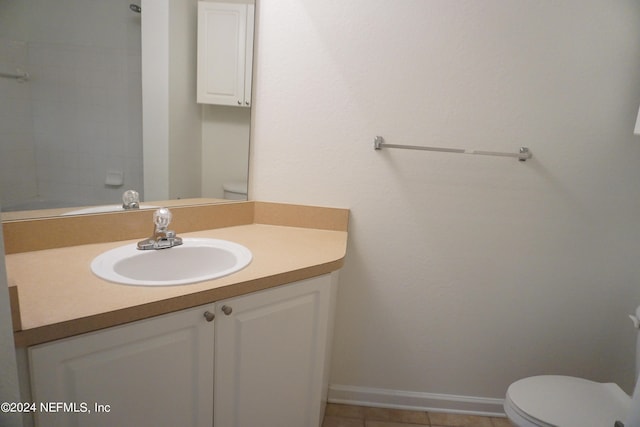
523 155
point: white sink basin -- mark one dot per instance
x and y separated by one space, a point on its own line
196 260
103 209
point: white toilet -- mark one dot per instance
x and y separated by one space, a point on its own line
235 190
561 401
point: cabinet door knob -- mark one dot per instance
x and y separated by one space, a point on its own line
209 316
226 310
239 102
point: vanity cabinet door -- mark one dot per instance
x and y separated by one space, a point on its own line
225 53
153 372
271 355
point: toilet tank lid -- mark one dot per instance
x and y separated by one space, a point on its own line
235 187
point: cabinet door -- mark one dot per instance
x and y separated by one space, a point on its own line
270 356
154 372
223 49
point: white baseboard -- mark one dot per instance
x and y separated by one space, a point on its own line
417 401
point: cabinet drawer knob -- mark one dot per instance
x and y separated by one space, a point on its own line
209 316
226 310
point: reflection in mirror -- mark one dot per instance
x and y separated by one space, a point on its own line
100 97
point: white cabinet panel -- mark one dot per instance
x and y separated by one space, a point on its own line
154 372
225 53
270 356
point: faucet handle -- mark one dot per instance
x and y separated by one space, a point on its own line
130 199
162 218
162 238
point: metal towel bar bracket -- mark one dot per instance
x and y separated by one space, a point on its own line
523 155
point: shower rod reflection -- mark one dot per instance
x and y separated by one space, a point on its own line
523 155
19 75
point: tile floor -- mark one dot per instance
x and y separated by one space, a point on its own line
361 416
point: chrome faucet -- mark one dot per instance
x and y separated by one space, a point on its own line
131 200
162 237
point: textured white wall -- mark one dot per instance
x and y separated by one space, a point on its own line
225 147
463 273
185 122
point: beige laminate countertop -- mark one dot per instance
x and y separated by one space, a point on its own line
59 296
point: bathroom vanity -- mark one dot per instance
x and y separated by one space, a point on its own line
247 349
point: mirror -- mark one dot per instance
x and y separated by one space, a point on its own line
100 97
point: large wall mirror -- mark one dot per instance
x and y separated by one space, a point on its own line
99 97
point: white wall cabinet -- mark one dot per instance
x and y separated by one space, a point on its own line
225 53
271 355
268 352
154 372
